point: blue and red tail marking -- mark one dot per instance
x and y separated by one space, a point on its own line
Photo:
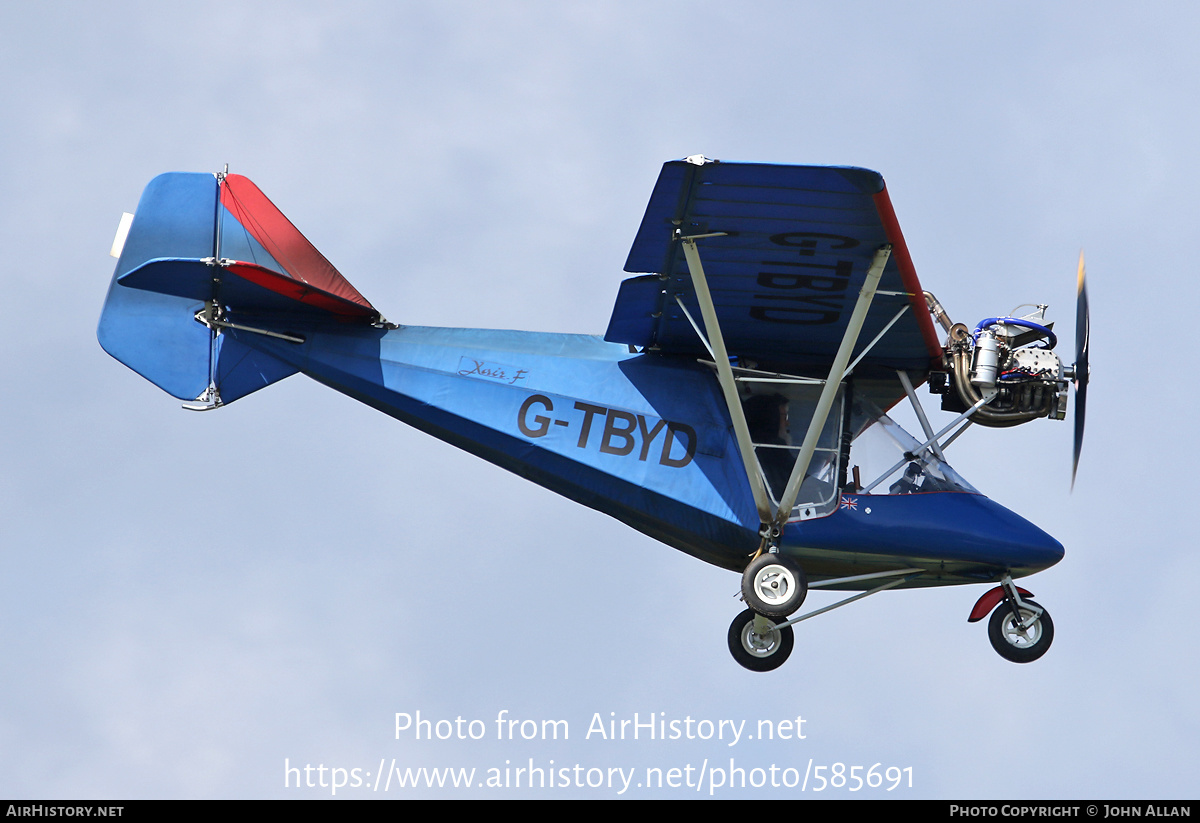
197 238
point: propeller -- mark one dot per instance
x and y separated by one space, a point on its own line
1082 370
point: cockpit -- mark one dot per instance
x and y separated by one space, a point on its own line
861 450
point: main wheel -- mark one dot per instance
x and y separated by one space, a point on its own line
774 585
1014 642
759 652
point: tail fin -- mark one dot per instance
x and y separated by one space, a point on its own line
203 247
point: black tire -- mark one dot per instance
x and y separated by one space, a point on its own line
1010 643
759 654
774 585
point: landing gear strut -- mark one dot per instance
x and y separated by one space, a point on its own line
774 581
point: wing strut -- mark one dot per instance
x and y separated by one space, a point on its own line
774 521
878 337
716 344
920 410
915 453
829 393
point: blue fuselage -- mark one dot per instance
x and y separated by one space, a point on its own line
645 438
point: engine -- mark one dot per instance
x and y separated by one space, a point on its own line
1006 366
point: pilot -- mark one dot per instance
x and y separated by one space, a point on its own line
767 420
910 482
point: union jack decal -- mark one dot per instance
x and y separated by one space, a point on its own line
848 502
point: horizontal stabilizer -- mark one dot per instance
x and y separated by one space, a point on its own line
243 287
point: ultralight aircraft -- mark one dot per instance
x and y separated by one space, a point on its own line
767 300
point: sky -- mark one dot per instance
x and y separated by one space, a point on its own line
203 605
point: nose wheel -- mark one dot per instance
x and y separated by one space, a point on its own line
1021 635
757 644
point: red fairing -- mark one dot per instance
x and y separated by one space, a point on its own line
989 601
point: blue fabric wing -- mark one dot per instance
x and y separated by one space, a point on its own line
784 276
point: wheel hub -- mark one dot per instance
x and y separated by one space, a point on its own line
775 583
1024 632
759 645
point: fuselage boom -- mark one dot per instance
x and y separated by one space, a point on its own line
646 439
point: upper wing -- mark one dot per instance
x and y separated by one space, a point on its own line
784 276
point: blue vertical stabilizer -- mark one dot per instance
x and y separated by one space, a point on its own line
155 334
